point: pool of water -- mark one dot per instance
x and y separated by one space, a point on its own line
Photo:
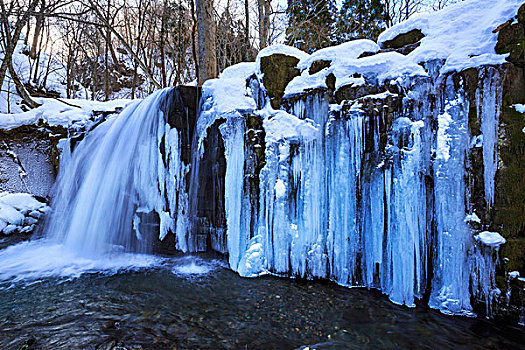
196 302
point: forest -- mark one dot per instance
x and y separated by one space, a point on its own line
109 49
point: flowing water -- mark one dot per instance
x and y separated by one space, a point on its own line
195 302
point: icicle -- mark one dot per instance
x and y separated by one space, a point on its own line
238 235
450 285
488 100
483 261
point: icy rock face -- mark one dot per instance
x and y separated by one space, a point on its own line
370 191
27 160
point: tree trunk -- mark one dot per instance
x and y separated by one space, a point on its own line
206 30
264 22
10 41
38 29
20 88
247 25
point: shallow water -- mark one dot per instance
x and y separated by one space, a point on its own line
196 302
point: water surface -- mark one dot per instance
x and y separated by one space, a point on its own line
196 302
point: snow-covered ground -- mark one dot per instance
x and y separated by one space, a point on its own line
48 70
63 112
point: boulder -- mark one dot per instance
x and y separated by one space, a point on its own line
278 69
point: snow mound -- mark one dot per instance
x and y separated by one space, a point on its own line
349 50
228 93
19 212
281 125
491 239
461 34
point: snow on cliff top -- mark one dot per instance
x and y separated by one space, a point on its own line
460 33
228 93
53 112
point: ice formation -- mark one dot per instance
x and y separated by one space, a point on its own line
362 196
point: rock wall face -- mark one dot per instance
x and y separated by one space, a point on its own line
29 160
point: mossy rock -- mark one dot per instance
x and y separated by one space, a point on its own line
514 250
318 66
511 39
521 14
352 92
278 70
509 206
409 38
330 81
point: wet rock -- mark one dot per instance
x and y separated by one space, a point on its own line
352 92
10 229
511 40
28 221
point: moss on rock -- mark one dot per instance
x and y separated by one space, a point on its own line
278 70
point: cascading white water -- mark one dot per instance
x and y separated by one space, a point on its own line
115 174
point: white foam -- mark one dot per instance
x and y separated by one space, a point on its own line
36 260
193 266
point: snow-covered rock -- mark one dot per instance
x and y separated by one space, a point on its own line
19 212
490 239
64 112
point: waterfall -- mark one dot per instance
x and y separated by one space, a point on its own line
126 172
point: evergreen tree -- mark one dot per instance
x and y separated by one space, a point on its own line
360 19
311 24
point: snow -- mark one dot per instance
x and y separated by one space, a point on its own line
280 188
19 212
280 125
472 218
514 274
349 50
25 68
520 108
53 112
491 239
461 33
443 140
345 67
228 93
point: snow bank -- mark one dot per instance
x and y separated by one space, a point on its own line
49 70
461 34
19 212
54 112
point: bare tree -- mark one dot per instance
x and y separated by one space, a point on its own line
18 14
206 29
